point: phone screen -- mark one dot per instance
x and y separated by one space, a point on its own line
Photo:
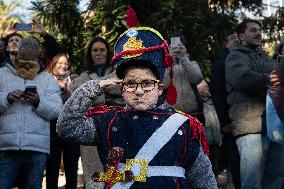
23 27
31 89
279 59
175 41
62 77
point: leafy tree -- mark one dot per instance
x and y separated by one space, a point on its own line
201 24
108 20
63 20
74 29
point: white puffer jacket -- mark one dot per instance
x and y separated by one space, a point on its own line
23 127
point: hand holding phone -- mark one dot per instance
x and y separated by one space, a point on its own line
23 27
31 89
14 96
62 77
31 95
175 41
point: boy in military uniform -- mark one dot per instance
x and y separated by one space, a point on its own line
154 145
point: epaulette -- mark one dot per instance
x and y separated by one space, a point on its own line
180 112
101 109
197 131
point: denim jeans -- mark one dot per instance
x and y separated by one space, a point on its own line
253 150
27 165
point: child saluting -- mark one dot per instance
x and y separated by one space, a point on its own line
145 144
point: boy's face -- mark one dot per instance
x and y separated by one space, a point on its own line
143 96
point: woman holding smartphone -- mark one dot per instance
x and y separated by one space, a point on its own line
58 68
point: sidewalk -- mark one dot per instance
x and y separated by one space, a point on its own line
61 181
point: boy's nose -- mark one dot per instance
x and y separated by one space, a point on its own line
139 90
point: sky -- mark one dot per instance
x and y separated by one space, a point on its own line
268 10
27 14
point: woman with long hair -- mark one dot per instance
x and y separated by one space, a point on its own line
59 69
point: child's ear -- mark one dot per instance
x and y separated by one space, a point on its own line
161 88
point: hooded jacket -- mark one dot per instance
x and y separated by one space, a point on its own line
247 72
23 127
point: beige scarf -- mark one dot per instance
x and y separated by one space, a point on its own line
27 69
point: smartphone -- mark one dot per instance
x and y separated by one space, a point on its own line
175 41
279 59
23 27
31 89
62 77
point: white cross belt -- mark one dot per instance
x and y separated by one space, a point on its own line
152 171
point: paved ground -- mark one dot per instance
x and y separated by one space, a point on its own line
61 182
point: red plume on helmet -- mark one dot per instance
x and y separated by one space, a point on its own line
131 17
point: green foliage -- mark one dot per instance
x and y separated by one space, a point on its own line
74 29
201 24
108 20
63 20
274 25
202 29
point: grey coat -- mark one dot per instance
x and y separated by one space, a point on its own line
247 72
23 127
186 74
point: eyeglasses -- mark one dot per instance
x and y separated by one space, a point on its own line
146 85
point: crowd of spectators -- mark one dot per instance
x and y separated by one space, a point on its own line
245 86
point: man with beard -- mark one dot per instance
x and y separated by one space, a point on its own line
29 98
11 40
247 71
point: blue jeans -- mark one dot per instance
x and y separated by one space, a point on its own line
28 165
253 150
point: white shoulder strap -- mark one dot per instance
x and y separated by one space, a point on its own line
161 137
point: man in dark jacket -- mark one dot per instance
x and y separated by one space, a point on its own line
247 71
217 86
229 157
